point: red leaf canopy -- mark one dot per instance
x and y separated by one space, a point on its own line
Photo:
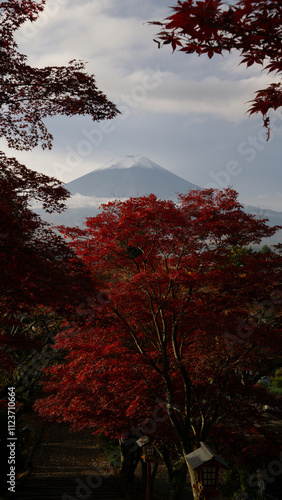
177 279
37 267
28 95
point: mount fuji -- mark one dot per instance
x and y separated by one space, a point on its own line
130 176
122 178
127 177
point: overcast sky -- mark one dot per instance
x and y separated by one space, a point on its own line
184 112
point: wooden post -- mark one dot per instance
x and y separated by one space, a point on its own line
148 480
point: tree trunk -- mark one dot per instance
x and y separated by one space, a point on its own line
130 456
176 476
178 481
193 479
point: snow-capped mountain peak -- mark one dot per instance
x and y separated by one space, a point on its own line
126 177
129 161
130 176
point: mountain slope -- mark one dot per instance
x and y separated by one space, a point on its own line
130 176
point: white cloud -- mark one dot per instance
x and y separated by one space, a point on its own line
86 31
226 99
192 120
80 201
273 202
119 48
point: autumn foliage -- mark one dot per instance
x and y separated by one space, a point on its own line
251 27
28 94
155 357
38 268
40 274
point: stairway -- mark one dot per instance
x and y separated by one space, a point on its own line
68 487
66 466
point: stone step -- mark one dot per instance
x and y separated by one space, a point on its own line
47 487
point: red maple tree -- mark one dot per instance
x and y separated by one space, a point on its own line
157 357
41 277
38 269
252 27
28 95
